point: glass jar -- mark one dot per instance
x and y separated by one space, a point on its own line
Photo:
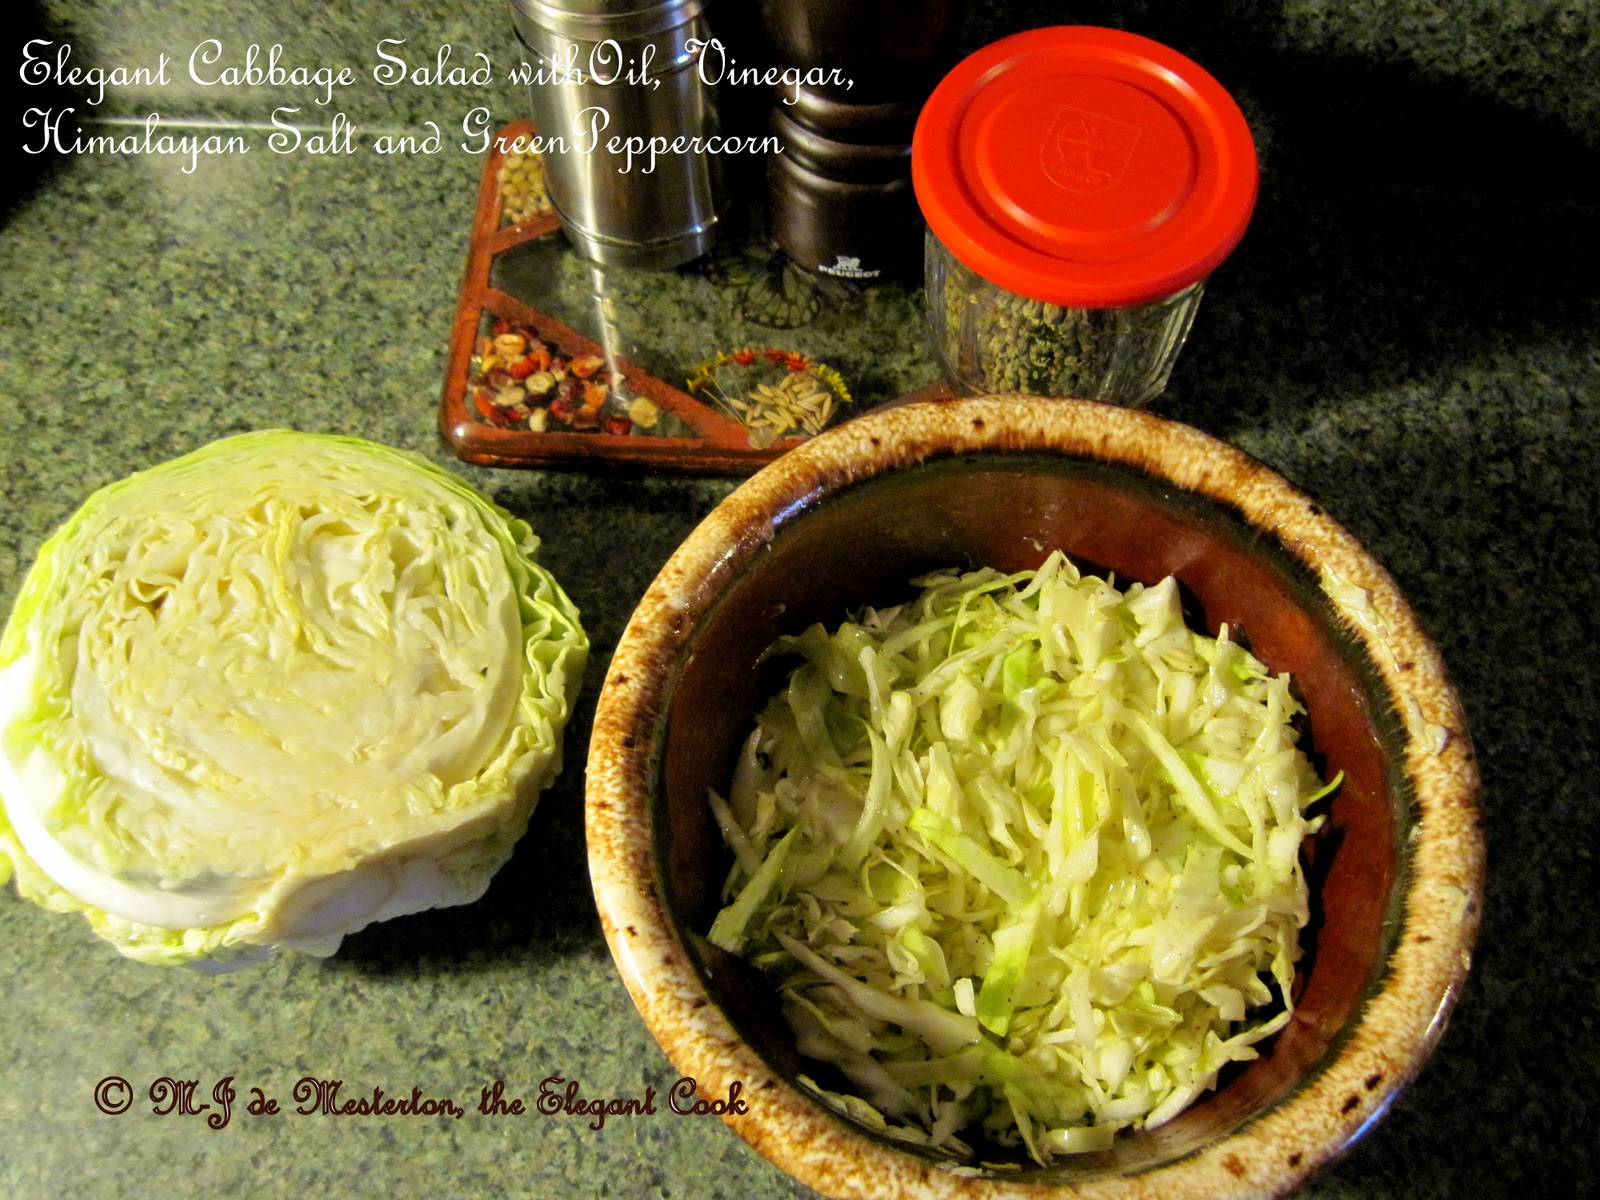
991 341
1079 185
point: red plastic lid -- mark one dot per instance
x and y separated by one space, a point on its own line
1085 167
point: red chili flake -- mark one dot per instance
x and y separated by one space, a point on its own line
539 356
495 415
744 357
618 426
520 368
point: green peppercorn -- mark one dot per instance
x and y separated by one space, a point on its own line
998 341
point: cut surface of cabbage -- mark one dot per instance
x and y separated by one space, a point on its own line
272 691
1022 857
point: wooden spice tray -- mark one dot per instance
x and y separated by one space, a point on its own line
589 420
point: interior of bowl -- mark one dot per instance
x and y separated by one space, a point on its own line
866 543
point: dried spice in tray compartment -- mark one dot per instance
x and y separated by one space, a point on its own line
773 393
522 188
519 380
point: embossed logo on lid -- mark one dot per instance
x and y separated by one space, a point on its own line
1086 152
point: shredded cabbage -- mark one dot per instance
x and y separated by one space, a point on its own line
1022 857
274 690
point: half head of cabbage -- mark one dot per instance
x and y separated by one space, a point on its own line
275 690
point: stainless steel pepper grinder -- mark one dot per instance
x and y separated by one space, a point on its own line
614 85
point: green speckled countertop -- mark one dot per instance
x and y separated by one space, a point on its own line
1409 331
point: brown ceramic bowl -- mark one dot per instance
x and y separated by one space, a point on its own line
848 519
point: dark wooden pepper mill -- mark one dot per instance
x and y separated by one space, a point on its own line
839 197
